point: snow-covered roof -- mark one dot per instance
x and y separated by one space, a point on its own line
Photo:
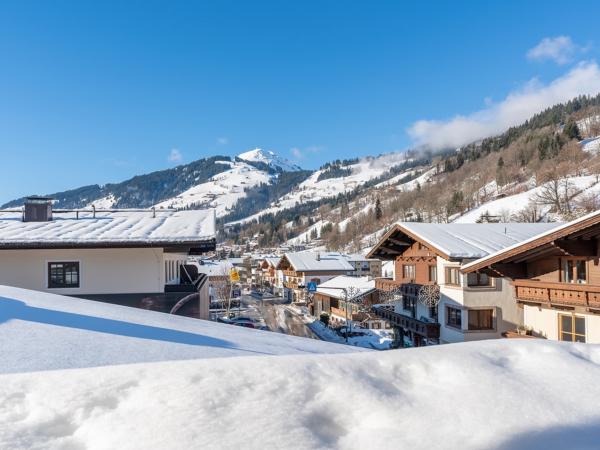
557 231
468 240
314 261
273 261
214 268
335 286
109 229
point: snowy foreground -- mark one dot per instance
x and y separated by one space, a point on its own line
494 394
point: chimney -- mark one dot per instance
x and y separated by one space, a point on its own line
38 209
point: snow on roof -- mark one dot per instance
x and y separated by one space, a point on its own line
273 261
314 261
214 268
494 394
42 331
556 228
108 228
473 240
335 286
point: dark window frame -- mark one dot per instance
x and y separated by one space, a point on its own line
64 271
479 326
478 282
450 269
454 317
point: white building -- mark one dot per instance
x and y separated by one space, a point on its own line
131 257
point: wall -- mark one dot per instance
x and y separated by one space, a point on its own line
544 322
102 271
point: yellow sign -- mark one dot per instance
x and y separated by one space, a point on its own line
234 276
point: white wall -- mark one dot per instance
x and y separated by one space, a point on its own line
102 271
544 322
499 297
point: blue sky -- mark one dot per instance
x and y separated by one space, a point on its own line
96 92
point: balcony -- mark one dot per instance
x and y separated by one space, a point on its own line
290 284
430 330
386 284
564 294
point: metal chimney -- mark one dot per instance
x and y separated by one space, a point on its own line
38 209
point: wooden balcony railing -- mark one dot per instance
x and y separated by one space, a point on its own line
386 284
290 285
567 294
290 273
429 330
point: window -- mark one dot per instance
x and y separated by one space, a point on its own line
408 271
478 279
408 302
571 328
433 312
453 317
573 270
63 275
481 319
433 274
452 276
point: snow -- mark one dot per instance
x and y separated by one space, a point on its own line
591 145
512 204
419 181
40 331
504 394
107 202
315 261
270 158
313 189
132 227
473 240
304 237
221 191
335 286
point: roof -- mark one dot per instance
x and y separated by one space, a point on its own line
215 268
115 228
318 262
466 240
542 238
358 258
273 261
335 286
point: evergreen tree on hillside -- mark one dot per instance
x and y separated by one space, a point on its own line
378 210
571 130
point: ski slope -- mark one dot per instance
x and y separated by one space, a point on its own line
221 191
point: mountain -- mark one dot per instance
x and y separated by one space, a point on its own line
269 158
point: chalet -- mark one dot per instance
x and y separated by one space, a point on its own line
299 268
556 279
268 276
364 266
438 303
132 257
331 298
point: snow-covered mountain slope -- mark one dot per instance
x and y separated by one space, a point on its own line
269 158
470 396
319 185
49 332
508 207
221 191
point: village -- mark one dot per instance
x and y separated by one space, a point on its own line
422 284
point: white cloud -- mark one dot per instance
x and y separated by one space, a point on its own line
516 108
222 141
560 49
300 153
175 155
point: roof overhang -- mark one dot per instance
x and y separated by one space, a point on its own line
561 241
397 240
192 246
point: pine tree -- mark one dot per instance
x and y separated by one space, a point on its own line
571 130
378 210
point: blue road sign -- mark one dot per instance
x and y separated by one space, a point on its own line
311 286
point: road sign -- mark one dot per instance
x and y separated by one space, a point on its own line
311 286
234 276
